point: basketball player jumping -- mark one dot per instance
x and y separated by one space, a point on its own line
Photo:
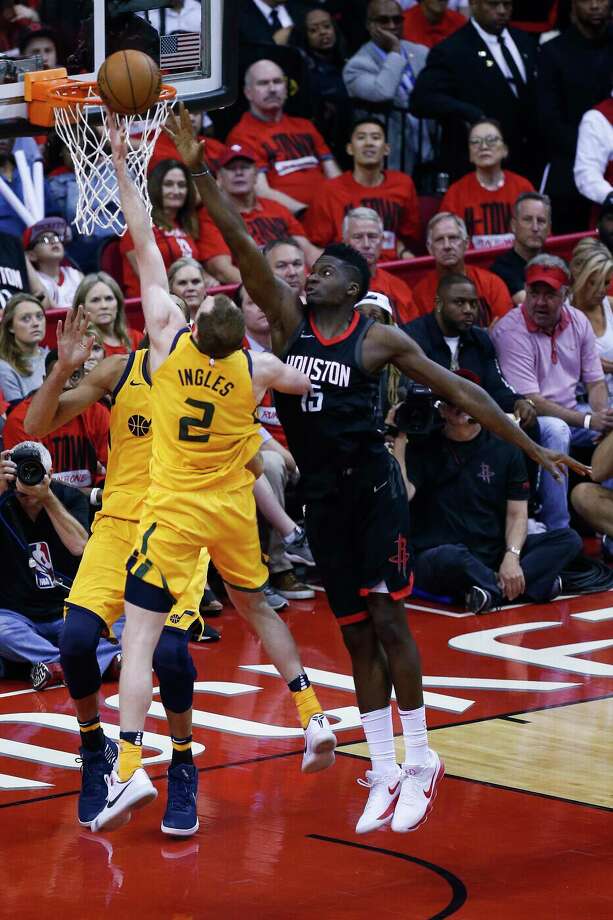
205 390
357 512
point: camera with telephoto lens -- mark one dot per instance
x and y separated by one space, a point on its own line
30 468
415 416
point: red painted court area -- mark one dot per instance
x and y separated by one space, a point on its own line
521 826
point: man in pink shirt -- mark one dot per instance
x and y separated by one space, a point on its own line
545 348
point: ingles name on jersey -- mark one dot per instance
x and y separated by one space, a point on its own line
320 370
211 380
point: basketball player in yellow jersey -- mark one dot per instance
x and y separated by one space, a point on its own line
96 599
205 390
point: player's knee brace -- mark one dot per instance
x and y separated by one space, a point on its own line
78 644
175 669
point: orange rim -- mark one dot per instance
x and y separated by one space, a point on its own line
76 92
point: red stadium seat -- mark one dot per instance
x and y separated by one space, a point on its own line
110 260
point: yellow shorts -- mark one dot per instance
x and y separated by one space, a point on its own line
100 582
172 530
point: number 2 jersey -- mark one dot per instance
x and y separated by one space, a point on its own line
333 428
203 419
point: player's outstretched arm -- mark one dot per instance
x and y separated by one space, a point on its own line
389 345
269 372
275 298
50 406
163 317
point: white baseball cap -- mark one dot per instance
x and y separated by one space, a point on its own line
376 299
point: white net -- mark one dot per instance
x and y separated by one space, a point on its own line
87 139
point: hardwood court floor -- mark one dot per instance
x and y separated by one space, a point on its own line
519 705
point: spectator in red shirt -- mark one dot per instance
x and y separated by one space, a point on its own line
79 449
188 280
286 260
429 22
363 229
176 220
388 192
484 199
165 149
103 302
265 219
291 153
447 242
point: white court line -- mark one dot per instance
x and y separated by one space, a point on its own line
16 693
595 616
441 613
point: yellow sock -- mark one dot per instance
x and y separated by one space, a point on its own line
130 759
307 705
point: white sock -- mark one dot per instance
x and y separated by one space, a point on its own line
415 734
379 731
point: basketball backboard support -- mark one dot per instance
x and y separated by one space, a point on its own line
197 51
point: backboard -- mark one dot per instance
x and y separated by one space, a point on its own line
194 42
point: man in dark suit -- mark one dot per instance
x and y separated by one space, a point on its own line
484 70
574 75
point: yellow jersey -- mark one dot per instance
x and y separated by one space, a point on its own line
127 473
204 424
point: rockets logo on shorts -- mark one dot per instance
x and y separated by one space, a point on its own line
40 560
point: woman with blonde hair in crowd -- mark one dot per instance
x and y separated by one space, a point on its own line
188 279
102 299
591 268
22 357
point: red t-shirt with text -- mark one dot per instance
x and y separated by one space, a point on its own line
494 297
399 293
395 201
487 214
173 244
290 151
265 222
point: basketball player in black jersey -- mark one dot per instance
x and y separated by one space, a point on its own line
357 511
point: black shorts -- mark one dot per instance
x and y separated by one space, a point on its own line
359 537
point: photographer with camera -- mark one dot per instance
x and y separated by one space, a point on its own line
42 537
469 501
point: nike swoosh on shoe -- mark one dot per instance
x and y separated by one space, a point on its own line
110 804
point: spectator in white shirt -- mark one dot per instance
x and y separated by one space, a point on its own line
594 157
177 16
44 245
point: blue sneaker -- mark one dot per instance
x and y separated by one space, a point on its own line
96 766
181 818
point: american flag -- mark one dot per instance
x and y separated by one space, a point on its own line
179 51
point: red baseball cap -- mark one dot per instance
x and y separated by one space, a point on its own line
46 225
547 274
236 152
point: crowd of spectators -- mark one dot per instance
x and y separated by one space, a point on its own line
402 128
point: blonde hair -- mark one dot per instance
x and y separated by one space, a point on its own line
9 349
120 327
591 261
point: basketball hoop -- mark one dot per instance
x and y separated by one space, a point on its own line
80 119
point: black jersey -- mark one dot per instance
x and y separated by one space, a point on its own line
335 427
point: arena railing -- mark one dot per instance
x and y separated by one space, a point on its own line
410 271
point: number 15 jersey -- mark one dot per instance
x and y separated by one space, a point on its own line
335 426
203 419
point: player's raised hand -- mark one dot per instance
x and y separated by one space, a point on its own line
117 137
74 345
181 132
556 463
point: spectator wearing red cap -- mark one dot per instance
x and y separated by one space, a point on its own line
546 348
363 229
292 156
44 245
265 219
447 242
484 198
430 21
369 185
176 220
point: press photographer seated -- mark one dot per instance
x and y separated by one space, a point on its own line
42 537
469 501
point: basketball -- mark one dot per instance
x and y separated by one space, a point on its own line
129 82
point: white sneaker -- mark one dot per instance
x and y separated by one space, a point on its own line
384 790
417 795
122 797
319 744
